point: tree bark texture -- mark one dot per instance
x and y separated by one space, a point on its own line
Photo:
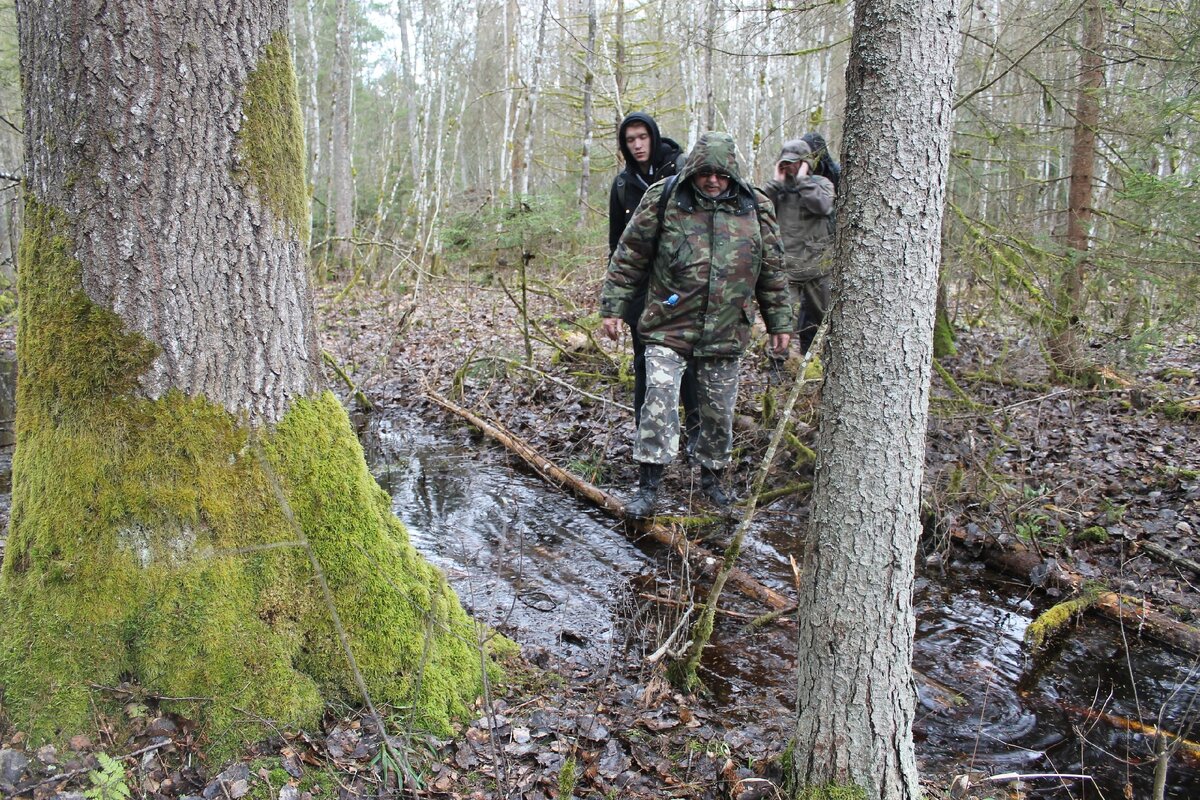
855 693
180 486
199 246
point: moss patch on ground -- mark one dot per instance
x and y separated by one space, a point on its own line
148 543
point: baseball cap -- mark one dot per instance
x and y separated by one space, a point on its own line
795 150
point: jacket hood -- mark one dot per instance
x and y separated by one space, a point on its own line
640 118
716 151
663 149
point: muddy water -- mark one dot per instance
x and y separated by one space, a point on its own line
548 570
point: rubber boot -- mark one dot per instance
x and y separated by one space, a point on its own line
710 484
642 504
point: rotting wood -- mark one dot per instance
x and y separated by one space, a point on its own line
697 555
1137 615
1170 555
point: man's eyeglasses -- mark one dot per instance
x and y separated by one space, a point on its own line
708 173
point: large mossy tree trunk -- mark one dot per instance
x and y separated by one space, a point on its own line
855 690
175 458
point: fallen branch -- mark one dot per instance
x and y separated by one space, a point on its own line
62 777
361 399
636 530
1169 555
561 382
1188 750
783 491
668 601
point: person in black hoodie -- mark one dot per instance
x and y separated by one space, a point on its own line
825 166
649 157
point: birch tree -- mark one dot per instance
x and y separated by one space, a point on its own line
340 152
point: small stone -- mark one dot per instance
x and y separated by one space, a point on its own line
162 726
238 789
238 772
12 766
69 796
1183 528
47 754
289 793
520 735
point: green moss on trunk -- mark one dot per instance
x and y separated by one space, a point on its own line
271 140
147 543
829 791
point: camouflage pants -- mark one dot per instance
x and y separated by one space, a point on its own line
658 432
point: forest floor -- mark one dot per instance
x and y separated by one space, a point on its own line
1079 480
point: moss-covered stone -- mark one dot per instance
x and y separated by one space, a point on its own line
148 542
271 140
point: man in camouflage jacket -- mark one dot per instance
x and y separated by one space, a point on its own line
718 251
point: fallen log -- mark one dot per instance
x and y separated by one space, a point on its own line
635 530
1187 749
1019 560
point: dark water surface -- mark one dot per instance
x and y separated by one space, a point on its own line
549 570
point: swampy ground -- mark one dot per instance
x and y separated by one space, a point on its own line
1090 487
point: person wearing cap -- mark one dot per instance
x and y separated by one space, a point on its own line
649 157
804 207
712 254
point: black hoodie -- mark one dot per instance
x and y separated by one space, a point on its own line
826 167
630 184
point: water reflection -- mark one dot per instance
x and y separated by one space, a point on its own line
521 557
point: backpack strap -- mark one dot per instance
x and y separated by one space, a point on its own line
661 209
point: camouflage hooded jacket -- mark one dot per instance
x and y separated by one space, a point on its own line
715 256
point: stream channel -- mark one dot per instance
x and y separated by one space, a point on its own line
551 571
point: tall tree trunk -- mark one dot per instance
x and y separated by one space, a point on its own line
589 82
710 32
1065 349
854 677
341 154
535 92
619 61
313 111
180 483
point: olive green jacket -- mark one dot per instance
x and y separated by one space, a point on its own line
804 209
